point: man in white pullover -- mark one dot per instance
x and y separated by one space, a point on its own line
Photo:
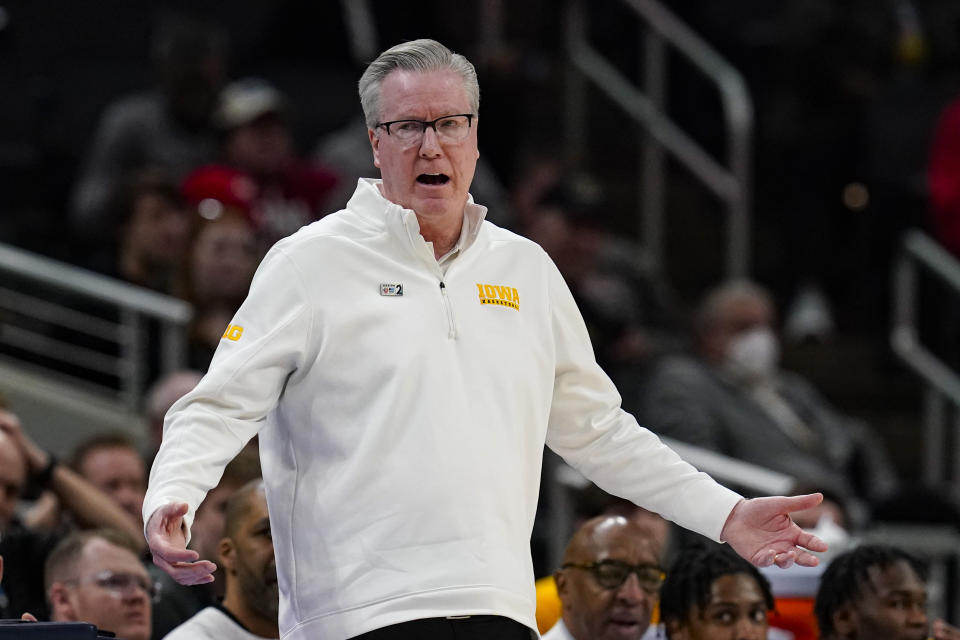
404 362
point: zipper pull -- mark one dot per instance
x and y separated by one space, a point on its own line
452 327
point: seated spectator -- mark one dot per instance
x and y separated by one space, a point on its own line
876 592
592 502
258 152
96 577
169 128
160 397
215 275
251 597
711 594
608 583
112 464
26 548
177 603
152 223
734 398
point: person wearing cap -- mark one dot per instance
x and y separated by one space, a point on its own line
260 171
404 363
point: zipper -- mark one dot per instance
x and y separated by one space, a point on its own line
448 307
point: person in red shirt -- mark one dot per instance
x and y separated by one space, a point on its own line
260 168
943 177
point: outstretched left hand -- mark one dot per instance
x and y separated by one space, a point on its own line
761 530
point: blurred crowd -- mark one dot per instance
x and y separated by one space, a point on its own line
181 184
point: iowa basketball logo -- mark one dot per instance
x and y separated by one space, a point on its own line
501 296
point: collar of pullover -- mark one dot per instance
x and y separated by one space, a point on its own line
369 202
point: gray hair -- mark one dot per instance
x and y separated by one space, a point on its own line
420 56
714 305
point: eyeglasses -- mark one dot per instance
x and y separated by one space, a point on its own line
123 584
448 128
610 574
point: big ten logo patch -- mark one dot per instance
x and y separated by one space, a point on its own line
502 296
233 332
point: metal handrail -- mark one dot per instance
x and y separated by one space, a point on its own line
134 306
360 29
70 278
943 383
725 469
731 182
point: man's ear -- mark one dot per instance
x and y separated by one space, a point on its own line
375 145
560 577
61 605
845 621
227 552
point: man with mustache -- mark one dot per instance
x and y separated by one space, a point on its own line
609 582
251 600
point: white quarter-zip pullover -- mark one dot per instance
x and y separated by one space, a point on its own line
402 414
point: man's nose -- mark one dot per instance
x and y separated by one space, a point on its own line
135 593
430 144
917 616
631 591
129 499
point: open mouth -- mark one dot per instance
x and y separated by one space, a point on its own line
433 178
625 628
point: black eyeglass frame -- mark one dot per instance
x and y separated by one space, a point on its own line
645 584
429 124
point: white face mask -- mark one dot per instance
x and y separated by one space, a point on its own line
752 355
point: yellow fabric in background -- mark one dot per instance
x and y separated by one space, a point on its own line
548 604
549 607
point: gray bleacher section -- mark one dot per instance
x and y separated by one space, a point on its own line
77 349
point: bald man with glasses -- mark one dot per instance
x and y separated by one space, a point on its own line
609 582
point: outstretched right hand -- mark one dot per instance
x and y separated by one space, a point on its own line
168 544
